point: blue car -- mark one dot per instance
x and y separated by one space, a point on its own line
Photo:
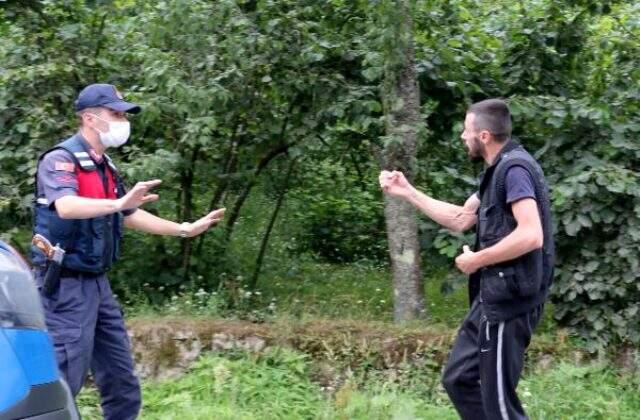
30 385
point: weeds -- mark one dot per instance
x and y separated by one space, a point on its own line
278 384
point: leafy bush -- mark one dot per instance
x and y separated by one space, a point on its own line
341 215
596 205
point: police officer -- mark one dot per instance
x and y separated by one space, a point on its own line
510 268
81 205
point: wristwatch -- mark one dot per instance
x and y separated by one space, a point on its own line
184 229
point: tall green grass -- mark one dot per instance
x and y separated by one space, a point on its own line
278 384
574 392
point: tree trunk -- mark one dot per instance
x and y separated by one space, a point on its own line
187 211
237 206
402 109
230 166
283 148
267 234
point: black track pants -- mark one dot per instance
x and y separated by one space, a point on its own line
485 364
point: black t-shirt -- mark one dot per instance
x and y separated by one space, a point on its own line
519 184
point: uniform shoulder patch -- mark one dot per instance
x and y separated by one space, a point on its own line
65 166
66 179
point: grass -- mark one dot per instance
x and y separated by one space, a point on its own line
284 384
309 290
357 291
581 392
278 385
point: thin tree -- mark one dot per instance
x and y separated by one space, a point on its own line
401 100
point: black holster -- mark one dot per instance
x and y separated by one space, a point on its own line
51 280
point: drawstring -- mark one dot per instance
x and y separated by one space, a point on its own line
487 330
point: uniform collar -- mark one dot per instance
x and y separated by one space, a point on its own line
98 159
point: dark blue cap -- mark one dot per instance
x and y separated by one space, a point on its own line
101 94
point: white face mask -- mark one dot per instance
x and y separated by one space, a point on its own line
117 135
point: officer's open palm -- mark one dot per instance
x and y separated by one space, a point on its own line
394 183
204 223
139 195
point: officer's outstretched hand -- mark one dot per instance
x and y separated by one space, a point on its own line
394 183
139 195
203 224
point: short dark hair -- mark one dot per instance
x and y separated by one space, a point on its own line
492 115
93 110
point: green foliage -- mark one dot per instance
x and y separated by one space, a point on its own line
279 382
245 386
580 392
566 67
232 91
341 212
241 388
591 159
305 291
599 278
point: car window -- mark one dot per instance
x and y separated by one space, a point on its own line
20 305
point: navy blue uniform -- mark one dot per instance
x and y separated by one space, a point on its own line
83 317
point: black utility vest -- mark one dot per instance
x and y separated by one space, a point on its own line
514 287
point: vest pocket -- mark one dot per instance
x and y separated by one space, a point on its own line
97 230
107 231
498 284
484 219
60 229
529 272
493 225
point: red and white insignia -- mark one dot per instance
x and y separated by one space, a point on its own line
65 179
65 166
